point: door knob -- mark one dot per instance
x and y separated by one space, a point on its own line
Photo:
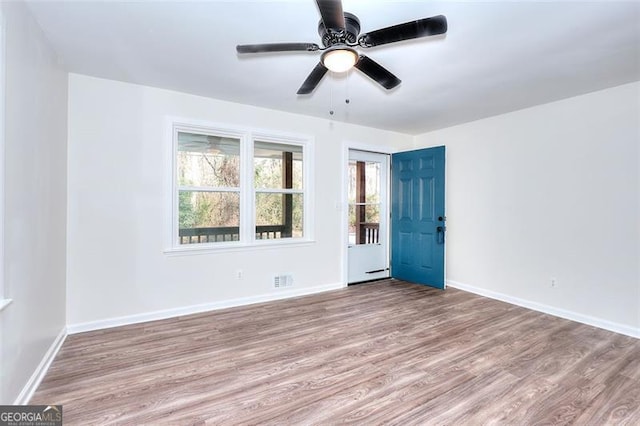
441 230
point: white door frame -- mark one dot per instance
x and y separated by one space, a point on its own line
343 204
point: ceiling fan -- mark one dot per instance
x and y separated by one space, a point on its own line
340 34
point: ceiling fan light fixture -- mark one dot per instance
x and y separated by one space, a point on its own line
339 58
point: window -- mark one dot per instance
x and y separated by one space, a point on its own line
364 202
278 190
208 176
233 188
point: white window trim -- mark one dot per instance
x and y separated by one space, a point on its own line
4 300
247 191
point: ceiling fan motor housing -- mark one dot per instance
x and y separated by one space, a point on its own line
333 36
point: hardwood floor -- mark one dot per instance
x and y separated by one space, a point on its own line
388 352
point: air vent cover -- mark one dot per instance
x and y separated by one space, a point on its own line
280 281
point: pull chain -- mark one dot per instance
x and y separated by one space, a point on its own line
346 89
347 100
331 97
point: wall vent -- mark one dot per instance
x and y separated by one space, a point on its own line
280 281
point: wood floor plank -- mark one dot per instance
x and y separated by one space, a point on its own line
563 405
388 352
400 397
618 403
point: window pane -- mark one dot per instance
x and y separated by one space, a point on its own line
364 182
277 166
278 216
352 181
205 160
364 223
208 216
372 182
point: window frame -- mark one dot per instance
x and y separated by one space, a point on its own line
247 137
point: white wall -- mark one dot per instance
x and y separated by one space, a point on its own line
550 191
116 265
35 201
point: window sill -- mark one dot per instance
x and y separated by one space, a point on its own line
218 248
4 303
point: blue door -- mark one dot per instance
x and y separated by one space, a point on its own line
417 216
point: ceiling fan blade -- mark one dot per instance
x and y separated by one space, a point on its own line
377 72
331 13
276 47
414 29
313 79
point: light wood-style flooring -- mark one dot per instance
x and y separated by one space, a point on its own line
387 352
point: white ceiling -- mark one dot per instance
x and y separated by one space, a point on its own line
497 56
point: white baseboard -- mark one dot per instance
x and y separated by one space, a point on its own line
562 313
195 309
34 381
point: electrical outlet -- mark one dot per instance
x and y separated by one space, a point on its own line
239 274
554 281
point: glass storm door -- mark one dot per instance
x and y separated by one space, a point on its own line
368 252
